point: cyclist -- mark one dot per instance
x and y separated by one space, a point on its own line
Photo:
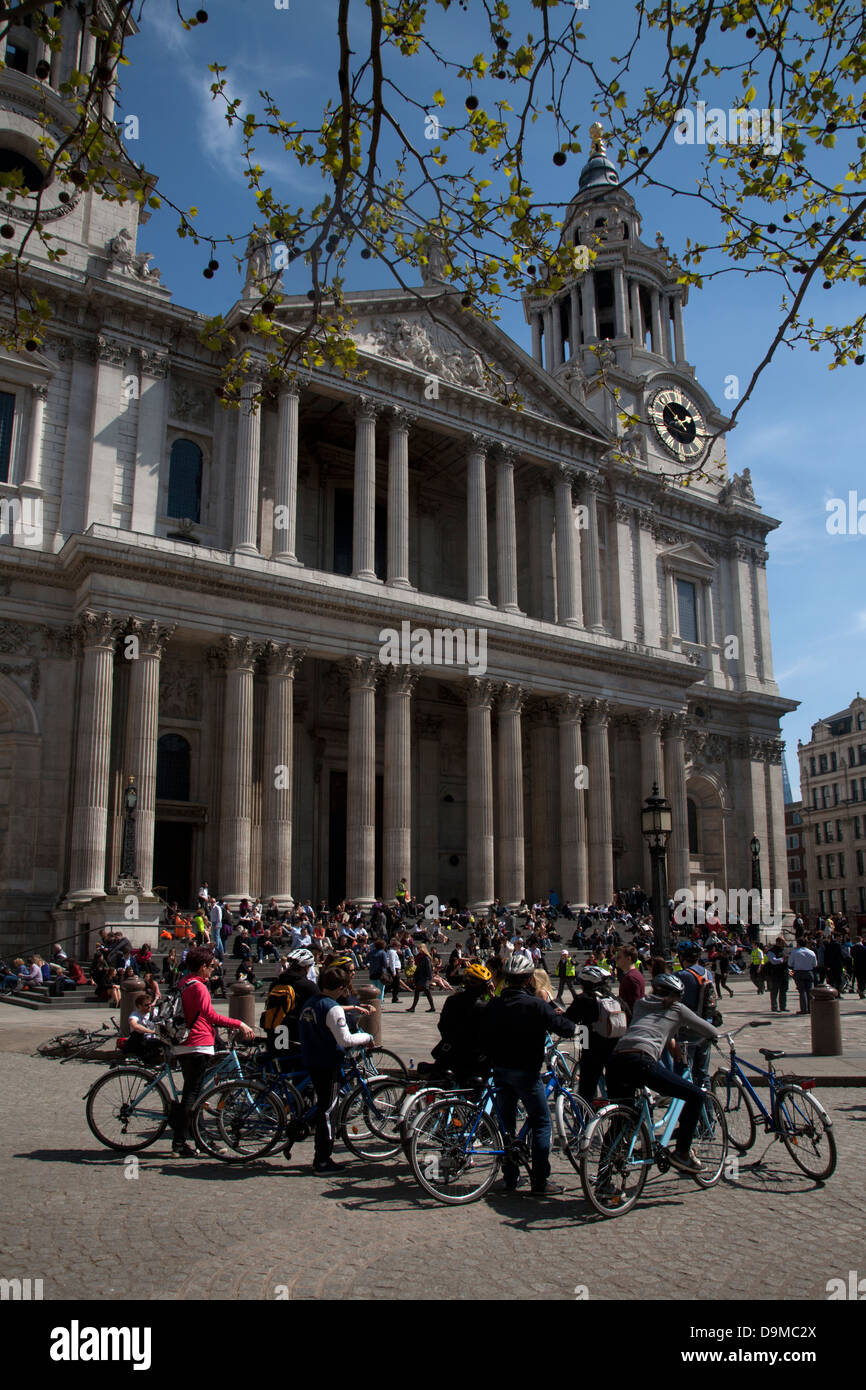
699 995
324 1037
586 1010
513 1032
635 1061
459 1051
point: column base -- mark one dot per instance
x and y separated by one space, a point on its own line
245 550
366 574
400 584
511 608
85 895
483 907
572 622
285 558
482 602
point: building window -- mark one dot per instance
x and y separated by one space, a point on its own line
692 811
172 768
814 798
820 862
862 891
794 862
184 481
812 766
833 897
861 753
831 866
841 866
7 422
687 610
835 793
822 763
796 818
795 887
825 797
828 832
822 901
817 835
857 835
833 762
838 830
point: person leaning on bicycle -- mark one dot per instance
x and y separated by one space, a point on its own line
512 1033
635 1060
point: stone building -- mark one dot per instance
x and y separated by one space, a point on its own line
396 629
833 784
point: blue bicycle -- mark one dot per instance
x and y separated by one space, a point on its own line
624 1142
794 1116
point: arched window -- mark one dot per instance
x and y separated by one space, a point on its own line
184 480
693 826
172 768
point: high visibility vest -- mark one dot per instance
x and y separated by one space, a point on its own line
569 968
757 956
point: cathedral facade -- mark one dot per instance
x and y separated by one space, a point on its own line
373 629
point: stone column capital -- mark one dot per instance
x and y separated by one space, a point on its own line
510 698
480 694
40 392
400 419
400 680
565 473
294 385
280 660
675 725
111 350
598 714
153 638
366 408
361 672
238 653
651 720
96 629
505 455
480 443
155 364
570 708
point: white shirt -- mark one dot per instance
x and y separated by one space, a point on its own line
392 961
336 1021
801 958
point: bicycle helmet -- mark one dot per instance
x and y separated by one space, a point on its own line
478 974
520 965
668 984
301 957
593 975
342 962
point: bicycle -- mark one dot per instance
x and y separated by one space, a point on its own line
794 1116
80 1042
623 1142
128 1108
459 1144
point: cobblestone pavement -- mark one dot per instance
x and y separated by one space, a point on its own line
77 1217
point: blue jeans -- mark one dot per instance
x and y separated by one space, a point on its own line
803 980
627 1072
511 1086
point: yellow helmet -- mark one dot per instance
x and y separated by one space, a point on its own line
477 972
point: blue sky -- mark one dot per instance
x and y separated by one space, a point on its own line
801 435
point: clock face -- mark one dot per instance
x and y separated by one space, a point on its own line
678 423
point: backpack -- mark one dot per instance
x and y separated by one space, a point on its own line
280 1003
707 1002
170 1023
611 1021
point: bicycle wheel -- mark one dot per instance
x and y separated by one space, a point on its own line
370 1118
238 1121
806 1132
571 1118
127 1109
615 1155
379 1061
456 1151
414 1108
710 1142
731 1094
559 1065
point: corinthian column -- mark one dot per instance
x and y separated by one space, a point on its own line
592 607
286 481
479 795
364 521
142 724
572 793
600 824
476 520
568 595
281 663
238 655
506 533
544 800
92 758
246 514
361 782
398 500
397 808
679 875
511 844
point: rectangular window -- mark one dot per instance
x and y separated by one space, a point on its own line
857 835
7 421
817 835
862 891
861 753
838 830
687 610
841 866
833 897
796 888
825 797
863 788
844 899
822 901
812 765
791 841
828 832
861 866
822 762
833 763
831 866
835 793
794 862
820 862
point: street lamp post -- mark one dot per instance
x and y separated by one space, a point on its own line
656 826
755 847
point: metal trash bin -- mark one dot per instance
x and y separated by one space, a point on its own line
826 1022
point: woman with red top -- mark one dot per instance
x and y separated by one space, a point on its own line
197 1052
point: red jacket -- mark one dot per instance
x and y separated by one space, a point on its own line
200 1015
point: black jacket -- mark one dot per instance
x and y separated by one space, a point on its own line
514 1028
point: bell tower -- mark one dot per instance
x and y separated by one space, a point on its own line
620 324
84 225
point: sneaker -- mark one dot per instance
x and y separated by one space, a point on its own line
185 1151
328 1165
550 1189
685 1163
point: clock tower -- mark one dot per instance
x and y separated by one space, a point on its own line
619 324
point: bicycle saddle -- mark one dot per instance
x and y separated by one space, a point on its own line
770 1053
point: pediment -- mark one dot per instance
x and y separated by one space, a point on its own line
464 352
689 556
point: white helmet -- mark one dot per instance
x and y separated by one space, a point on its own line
520 964
301 957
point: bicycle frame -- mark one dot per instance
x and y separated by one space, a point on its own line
736 1069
